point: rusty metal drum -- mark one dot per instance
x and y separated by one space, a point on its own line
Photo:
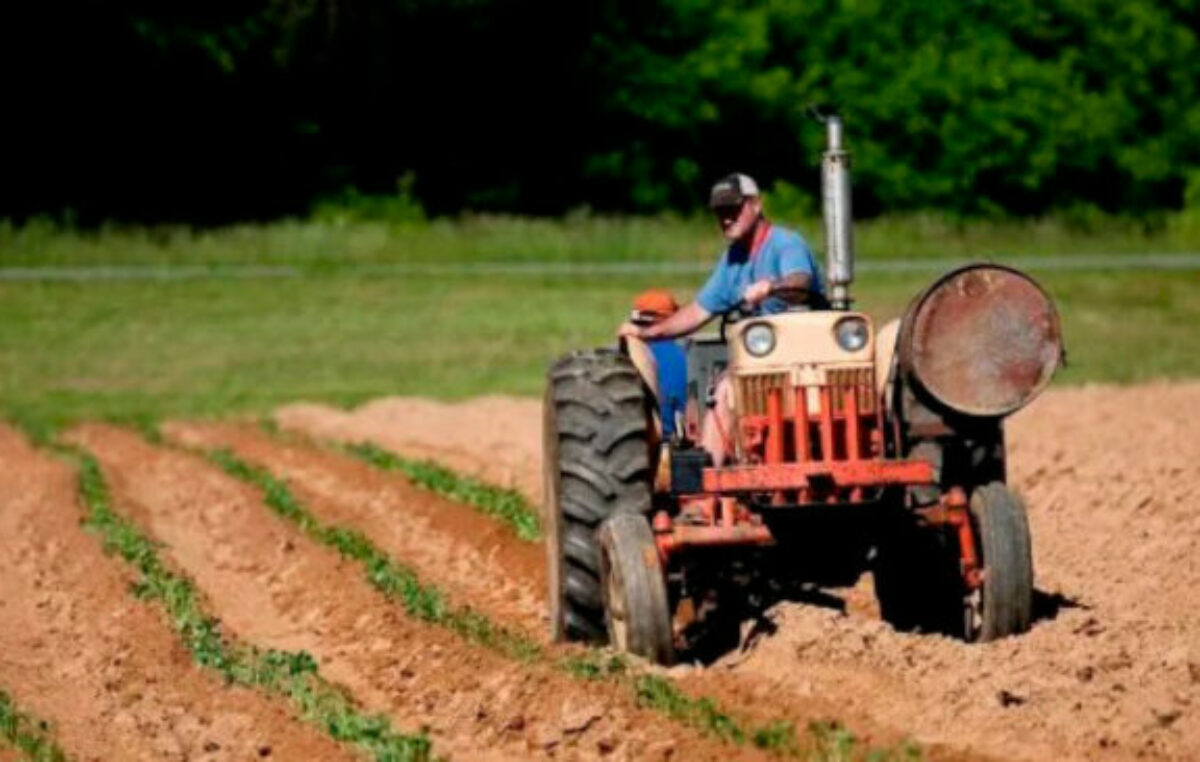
983 340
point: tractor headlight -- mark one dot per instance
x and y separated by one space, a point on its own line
851 333
759 339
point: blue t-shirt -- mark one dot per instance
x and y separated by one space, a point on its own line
672 381
783 252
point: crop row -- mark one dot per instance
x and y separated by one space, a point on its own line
291 674
654 691
294 675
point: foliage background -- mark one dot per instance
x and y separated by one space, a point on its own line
209 112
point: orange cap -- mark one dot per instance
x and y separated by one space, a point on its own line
655 302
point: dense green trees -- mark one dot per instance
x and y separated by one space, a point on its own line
208 111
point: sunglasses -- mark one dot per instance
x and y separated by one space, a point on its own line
727 211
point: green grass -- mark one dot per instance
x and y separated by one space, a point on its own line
290 674
134 352
332 242
28 735
509 506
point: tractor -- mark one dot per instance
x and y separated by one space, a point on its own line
855 449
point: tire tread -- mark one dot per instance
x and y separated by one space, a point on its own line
597 466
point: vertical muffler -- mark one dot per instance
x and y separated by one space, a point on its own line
835 206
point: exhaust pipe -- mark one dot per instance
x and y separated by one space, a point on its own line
835 205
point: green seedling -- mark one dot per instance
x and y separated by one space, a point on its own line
26 734
505 504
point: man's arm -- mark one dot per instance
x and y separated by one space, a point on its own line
793 288
683 322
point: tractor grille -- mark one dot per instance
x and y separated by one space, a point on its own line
857 381
752 391
813 416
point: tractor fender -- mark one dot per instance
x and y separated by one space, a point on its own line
643 361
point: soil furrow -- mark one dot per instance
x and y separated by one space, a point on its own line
1110 671
342 491
474 559
497 439
77 649
273 586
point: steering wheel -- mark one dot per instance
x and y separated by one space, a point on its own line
739 313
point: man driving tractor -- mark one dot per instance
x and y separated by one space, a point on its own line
832 447
765 269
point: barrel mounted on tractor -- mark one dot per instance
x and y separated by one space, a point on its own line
875 449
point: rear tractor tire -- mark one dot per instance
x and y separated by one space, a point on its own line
635 591
1003 605
597 465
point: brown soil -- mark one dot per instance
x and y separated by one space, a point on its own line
498 439
77 650
274 587
428 532
1112 670
475 559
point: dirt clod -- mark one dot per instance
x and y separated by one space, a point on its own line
1008 698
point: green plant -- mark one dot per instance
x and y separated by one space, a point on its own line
32 736
595 665
703 713
351 206
833 742
505 504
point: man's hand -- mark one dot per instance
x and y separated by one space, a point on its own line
629 329
690 317
756 293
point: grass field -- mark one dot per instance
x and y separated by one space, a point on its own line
332 241
140 350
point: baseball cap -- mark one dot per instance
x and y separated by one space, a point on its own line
653 305
732 190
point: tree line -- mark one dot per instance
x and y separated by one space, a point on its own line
220 110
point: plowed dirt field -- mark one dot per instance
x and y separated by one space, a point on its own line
78 650
275 587
1110 671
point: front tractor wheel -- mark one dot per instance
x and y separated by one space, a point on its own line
596 453
635 591
921 577
1003 603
